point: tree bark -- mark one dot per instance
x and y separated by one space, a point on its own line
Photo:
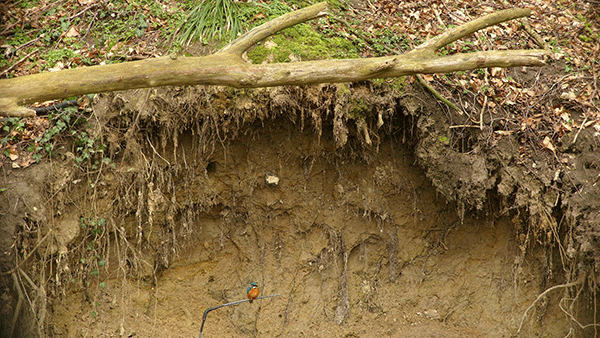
226 67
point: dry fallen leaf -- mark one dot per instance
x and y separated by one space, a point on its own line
569 96
25 162
548 144
59 66
72 32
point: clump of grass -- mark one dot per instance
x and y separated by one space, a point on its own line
212 20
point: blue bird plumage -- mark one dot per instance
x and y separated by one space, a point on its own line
252 291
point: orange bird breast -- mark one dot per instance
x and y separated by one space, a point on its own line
253 293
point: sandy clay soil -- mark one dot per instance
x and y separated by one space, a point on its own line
355 232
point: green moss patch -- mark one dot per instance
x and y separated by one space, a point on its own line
302 42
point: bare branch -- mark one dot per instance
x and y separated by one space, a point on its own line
461 31
226 67
241 44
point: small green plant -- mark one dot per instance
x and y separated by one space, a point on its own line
357 109
12 126
386 38
96 226
47 133
92 258
90 151
19 37
54 56
28 3
568 68
274 9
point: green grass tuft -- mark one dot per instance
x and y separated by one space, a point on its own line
212 20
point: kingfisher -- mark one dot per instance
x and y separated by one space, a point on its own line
252 291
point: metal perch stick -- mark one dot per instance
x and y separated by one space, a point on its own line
227 304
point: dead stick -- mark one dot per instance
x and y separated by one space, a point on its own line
436 93
461 31
463 126
16 63
579 131
538 39
228 304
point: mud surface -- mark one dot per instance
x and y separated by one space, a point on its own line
376 226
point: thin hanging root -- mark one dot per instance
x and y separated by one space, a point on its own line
361 125
341 312
156 152
569 312
29 254
19 303
541 295
366 132
40 293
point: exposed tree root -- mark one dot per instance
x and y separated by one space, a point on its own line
541 296
19 304
16 268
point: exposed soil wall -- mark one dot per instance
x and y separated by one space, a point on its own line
376 226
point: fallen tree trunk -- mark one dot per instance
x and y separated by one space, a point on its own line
227 68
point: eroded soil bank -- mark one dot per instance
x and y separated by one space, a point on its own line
353 235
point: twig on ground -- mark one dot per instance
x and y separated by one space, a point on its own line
482 110
360 35
87 30
579 131
83 11
57 106
17 63
27 44
538 39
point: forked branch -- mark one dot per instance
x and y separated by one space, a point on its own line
226 67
